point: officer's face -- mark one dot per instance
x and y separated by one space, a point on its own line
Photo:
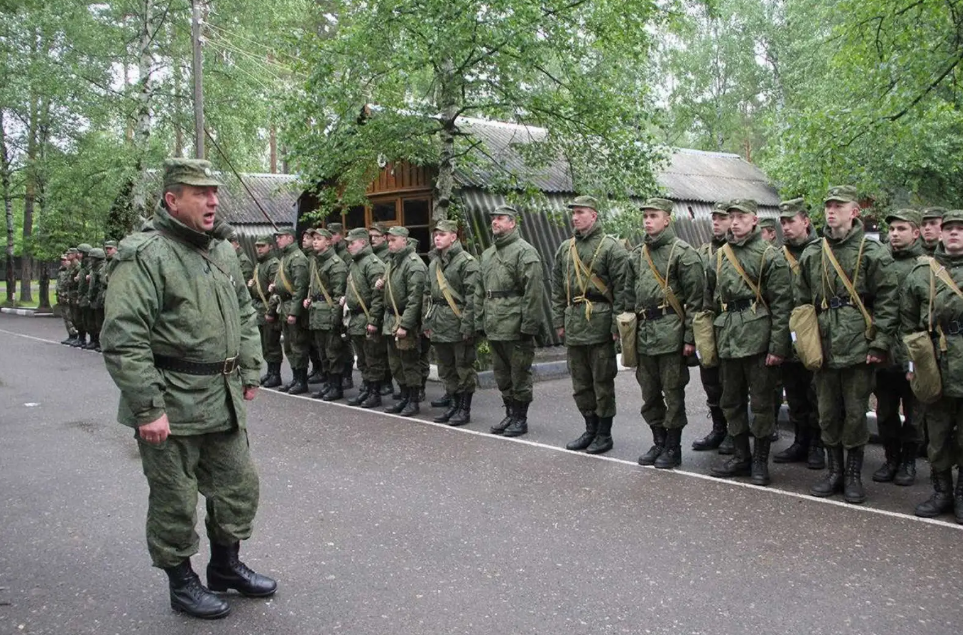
262 250
902 234
396 243
931 229
840 215
320 243
444 240
355 246
196 207
741 224
502 224
377 238
655 221
583 218
796 228
720 224
953 238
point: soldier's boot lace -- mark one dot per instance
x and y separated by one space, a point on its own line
853 491
519 424
832 482
718 433
943 496
226 571
189 596
501 426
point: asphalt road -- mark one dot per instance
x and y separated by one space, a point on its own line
377 524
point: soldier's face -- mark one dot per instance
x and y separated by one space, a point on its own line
376 238
796 228
335 239
583 218
840 215
110 251
306 241
444 240
902 234
355 246
284 240
768 234
741 224
931 229
502 224
655 221
720 224
320 243
262 250
953 239
196 207
396 243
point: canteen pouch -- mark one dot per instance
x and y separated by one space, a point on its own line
406 343
628 324
804 330
927 384
703 331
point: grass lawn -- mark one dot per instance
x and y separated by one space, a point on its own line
34 287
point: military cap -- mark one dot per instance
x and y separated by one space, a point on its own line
447 226
398 230
234 236
64 256
584 201
110 243
264 240
908 215
84 248
320 231
73 250
289 231
661 204
767 223
358 233
842 193
793 207
335 228
310 231
196 172
953 216
746 205
379 227
721 207
504 210
97 253
933 212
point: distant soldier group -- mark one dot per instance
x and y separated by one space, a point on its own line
81 289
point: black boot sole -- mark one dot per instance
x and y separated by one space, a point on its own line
177 608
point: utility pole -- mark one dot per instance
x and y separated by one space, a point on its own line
198 79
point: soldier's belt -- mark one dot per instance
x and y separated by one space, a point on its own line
953 327
178 365
656 313
508 293
838 303
738 305
589 297
354 310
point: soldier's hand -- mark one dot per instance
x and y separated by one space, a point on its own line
372 329
306 303
292 319
269 318
561 333
401 333
341 300
156 431
250 282
875 359
615 337
909 376
271 288
688 350
380 283
774 360
250 392
428 333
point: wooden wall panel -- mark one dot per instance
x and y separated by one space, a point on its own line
401 177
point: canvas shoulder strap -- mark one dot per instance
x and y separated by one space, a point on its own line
357 295
585 275
850 285
753 286
670 296
450 294
793 262
391 295
284 277
257 284
316 275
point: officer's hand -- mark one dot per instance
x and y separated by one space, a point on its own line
875 359
306 303
380 283
774 360
269 318
250 392
372 329
156 431
292 319
271 288
401 333
560 332
688 350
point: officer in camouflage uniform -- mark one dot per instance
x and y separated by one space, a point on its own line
328 274
665 288
176 303
379 245
63 297
291 287
83 297
852 349
750 286
586 298
95 295
508 298
340 247
797 380
247 267
404 288
718 437
266 307
930 229
901 438
365 304
922 292
450 320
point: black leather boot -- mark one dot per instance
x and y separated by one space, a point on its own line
942 499
334 392
373 400
362 395
727 447
817 452
519 424
399 405
323 390
501 426
412 405
832 482
273 377
591 429
347 378
398 396
300 386
714 439
853 491
659 435
442 402
798 451
454 404
294 379
958 496
316 376
69 340
741 462
603 440
759 473
96 346
81 340
887 472
226 571
386 387
672 452
906 474
463 415
189 596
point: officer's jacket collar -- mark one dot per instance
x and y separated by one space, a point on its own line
665 238
913 251
324 256
507 239
398 257
265 257
750 238
164 222
855 234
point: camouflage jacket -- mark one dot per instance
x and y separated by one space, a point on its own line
83 282
265 302
247 267
403 291
328 273
365 302
98 284
291 283
508 293
458 270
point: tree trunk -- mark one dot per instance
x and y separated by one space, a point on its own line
11 275
44 304
142 135
29 199
445 181
273 139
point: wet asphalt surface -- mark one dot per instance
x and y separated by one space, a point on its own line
377 524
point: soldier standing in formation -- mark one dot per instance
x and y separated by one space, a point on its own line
665 288
265 306
340 247
507 311
767 229
328 274
95 295
850 280
450 320
247 267
749 284
291 287
73 297
379 246
83 296
365 304
586 298
932 223
63 295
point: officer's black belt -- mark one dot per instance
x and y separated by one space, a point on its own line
738 305
508 293
655 313
178 365
589 297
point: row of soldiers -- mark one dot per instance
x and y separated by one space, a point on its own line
81 288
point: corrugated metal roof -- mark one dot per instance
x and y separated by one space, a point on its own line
694 175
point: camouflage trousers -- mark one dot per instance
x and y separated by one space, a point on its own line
219 466
271 342
712 384
944 426
663 379
843 395
372 356
331 348
77 317
96 322
456 366
424 361
297 343
405 364
800 395
512 366
593 368
749 386
67 315
893 389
